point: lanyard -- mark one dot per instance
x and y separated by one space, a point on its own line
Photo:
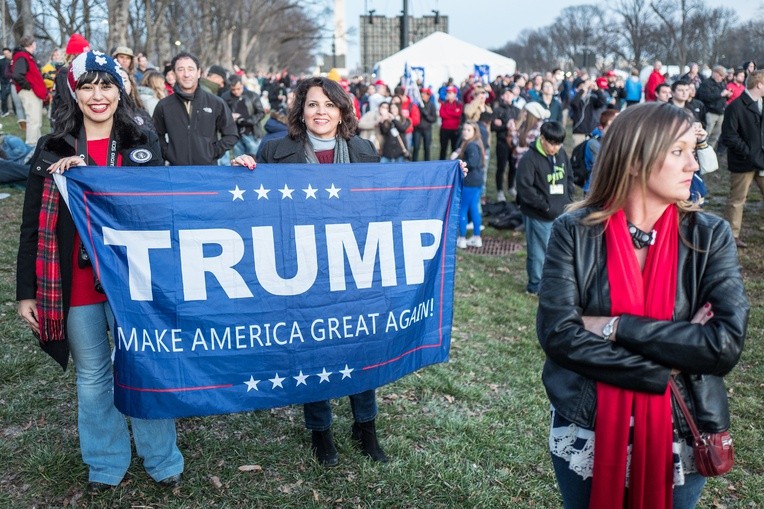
81 147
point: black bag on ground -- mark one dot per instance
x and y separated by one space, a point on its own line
509 219
495 209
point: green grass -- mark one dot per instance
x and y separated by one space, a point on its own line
469 433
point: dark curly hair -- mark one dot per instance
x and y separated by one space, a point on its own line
335 93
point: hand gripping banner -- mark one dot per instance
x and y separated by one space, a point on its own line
237 290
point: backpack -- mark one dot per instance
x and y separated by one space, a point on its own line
578 164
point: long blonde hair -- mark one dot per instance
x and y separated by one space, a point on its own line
529 123
155 81
636 143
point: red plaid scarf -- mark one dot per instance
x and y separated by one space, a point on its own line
50 306
649 293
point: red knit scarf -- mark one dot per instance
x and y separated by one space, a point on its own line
50 307
648 293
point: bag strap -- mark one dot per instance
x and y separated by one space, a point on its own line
403 145
686 411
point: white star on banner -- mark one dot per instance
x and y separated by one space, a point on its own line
262 192
346 372
334 191
310 192
324 376
100 60
286 192
238 194
301 379
277 381
252 384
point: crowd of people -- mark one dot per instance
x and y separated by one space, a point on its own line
639 230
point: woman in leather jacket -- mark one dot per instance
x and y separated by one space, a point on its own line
639 285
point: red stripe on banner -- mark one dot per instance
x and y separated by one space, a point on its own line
411 188
177 389
186 193
442 285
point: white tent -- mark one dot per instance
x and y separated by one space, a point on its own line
440 56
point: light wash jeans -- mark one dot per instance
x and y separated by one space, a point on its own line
537 232
400 159
318 415
104 437
247 144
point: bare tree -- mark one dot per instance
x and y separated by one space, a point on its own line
118 22
635 30
578 33
676 16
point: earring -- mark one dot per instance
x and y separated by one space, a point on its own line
302 120
340 121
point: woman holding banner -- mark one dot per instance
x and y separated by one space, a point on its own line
59 296
322 126
640 287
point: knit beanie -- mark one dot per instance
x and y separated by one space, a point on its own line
93 61
76 45
219 70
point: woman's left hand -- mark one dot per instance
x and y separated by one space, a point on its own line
244 160
595 324
64 164
463 166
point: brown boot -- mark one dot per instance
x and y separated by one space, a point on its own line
23 125
365 436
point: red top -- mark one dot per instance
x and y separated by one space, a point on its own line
655 79
83 288
737 90
325 156
451 114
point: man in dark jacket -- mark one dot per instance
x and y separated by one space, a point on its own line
585 108
743 135
503 113
194 126
247 112
544 188
5 80
428 115
713 94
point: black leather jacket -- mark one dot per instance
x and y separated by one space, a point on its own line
575 283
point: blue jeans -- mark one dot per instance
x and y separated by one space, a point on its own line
576 491
470 205
537 232
104 437
400 159
247 144
318 415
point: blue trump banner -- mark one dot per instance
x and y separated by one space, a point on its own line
237 290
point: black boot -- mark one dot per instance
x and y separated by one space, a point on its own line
323 448
365 436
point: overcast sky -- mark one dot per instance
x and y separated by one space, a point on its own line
491 23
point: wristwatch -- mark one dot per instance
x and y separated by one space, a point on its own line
607 331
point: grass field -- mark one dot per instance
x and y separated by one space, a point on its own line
471 433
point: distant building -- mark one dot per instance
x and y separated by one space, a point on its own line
380 36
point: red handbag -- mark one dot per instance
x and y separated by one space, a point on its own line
714 452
